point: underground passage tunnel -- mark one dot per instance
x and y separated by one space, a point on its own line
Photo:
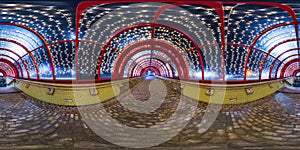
151 75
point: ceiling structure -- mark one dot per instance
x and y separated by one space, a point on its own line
197 40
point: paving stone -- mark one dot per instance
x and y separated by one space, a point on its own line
268 121
273 138
232 136
21 131
284 131
256 128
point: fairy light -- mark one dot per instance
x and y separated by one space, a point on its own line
51 22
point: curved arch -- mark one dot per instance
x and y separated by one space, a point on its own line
3 72
70 41
238 45
286 65
158 57
220 11
277 58
277 69
6 70
241 45
170 67
20 58
269 51
296 72
159 46
284 7
291 69
43 41
258 37
143 25
215 5
11 65
155 63
140 68
159 66
28 52
145 70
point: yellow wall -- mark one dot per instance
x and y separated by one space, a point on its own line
69 97
222 95
80 95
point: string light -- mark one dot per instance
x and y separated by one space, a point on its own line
52 23
243 23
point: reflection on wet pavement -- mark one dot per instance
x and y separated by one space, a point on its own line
272 122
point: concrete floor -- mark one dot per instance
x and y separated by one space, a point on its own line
269 123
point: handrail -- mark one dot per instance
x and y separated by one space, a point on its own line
11 82
111 83
289 83
73 86
221 86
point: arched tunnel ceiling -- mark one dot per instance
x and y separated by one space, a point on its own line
193 40
34 35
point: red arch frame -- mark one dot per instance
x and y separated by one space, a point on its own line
287 65
20 58
44 43
144 71
84 5
269 51
141 67
157 57
241 45
215 5
291 69
145 25
11 65
264 32
159 65
28 52
139 47
295 72
277 58
129 58
281 6
277 68
3 72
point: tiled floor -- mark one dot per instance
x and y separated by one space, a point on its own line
269 123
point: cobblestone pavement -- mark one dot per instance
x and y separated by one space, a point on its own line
270 123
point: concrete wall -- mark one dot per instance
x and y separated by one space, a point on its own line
68 96
231 94
77 95
10 82
289 81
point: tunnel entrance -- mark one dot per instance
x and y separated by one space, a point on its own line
296 76
297 79
150 73
2 80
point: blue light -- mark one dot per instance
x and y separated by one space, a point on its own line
150 73
27 38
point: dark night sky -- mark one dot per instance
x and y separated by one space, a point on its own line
72 4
